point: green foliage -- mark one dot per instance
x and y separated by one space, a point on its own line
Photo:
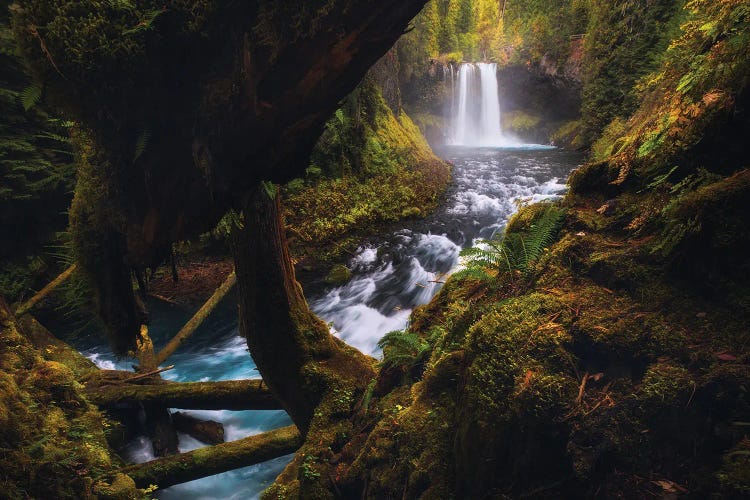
624 42
141 142
538 28
369 166
513 253
75 295
693 91
36 174
451 30
520 122
610 141
568 135
31 95
404 349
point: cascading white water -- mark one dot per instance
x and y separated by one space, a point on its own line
490 132
464 128
476 120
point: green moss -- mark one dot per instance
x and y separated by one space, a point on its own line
338 275
593 178
520 122
610 141
568 135
505 347
734 475
378 169
52 440
665 386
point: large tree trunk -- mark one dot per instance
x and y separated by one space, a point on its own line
261 85
293 349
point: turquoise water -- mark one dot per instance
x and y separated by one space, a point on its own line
391 274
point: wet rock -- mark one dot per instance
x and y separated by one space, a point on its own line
339 275
205 431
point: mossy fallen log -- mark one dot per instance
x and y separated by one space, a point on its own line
211 460
226 395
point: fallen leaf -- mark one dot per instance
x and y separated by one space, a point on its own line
669 486
724 356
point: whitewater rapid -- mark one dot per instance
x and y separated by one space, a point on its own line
391 274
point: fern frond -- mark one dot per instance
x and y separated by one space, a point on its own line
402 348
542 234
475 273
141 142
31 95
514 251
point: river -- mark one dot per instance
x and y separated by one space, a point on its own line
391 274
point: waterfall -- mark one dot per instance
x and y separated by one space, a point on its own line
490 132
475 121
465 128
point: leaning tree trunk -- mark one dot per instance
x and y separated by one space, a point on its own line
295 353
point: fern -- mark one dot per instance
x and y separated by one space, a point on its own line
141 142
31 95
147 22
541 235
403 349
514 252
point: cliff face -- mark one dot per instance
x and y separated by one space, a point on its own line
537 100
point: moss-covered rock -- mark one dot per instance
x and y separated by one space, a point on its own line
52 441
338 275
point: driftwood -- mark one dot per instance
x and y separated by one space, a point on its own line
226 395
196 320
41 294
175 469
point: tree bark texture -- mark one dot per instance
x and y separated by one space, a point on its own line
293 349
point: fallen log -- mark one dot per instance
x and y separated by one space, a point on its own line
196 321
176 469
226 395
41 294
205 431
